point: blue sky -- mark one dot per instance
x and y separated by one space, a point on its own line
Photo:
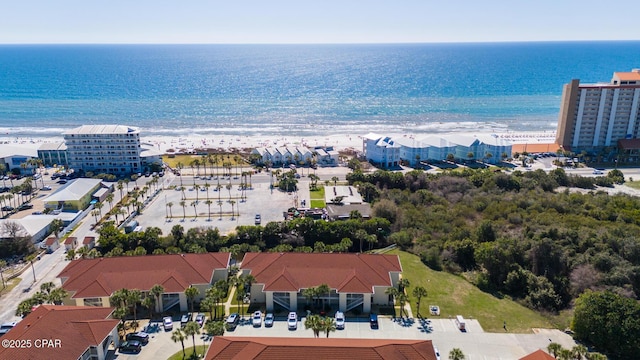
307 21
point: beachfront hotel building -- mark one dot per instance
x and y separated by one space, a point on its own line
112 149
595 117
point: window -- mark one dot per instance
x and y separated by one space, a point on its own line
93 302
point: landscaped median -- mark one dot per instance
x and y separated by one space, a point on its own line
456 296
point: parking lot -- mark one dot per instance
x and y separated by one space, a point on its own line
475 343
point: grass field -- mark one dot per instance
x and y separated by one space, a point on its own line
10 285
455 296
317 198
186 160
633 184
200 350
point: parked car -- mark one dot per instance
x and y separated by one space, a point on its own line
232 321
140 336
258 219
168 323
185 319
268 320
292 321
435 350
131 346
46 187
256 319
4 328
339 320
200 319
7 208
373 321
25 206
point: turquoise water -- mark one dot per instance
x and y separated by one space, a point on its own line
298 89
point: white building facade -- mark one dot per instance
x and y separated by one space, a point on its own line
112 149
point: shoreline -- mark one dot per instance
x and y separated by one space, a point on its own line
179 144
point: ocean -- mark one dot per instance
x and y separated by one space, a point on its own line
298 90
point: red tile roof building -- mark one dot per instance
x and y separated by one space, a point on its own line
92 281
538 355
355 279
71 332
249 348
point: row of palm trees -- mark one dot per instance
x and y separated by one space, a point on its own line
578 352
48 293
183 203
400 296
320 324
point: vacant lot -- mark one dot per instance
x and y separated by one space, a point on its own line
456 296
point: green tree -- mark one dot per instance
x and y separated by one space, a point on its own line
328 325
157 291
554 349
56 226
598 313
178 335
419 292
393 293
314 322
191 293
192 329
456 354
214 328
3 264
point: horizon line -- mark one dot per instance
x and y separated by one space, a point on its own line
322 43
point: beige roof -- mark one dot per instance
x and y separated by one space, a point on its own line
53 146
627 76
102 129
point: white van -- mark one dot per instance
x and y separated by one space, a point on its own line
460 323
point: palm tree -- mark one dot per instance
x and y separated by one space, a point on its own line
456 354
184 209
57 295
157 291
209 202
322 290
229 189
554 349
191 293
120 186
220 204
56 226
133 298
195 210
176 336
579 351
419 292
328 325
403 284
30 259
169 205
402 299
109 199
191 329
3 263
314 322
233 213
393 293
335 180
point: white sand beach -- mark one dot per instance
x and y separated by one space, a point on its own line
179 144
